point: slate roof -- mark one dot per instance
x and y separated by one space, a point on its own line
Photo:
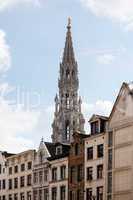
6 154
52 150
99 117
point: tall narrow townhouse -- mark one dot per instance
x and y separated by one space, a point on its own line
76 167
58 185
50 172
41 168
95 159
3 174
120 146
19 176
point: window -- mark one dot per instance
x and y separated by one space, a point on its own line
76 149
68 73
16 169
100 151
58 150
73 73
40 176
72 195
4 184
102 125
40 195
28 195
54 174
67 130
62 192
90 153
80 173
72 174
15 183
110 182
35 197
15 196
99 171
67 101
10 170
0 169
109 159
3 197
10 197
94 127
79 195
54 193
22 167
109 197
110 139
22 196
35 177
46 194
63 172
46 175
0 185
29 165
29 180
89 173
100 193
10 184
89 194
22 179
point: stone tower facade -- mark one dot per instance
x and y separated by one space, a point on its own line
68 116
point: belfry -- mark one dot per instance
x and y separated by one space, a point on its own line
68 116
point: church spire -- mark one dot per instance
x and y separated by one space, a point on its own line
68 116
68 56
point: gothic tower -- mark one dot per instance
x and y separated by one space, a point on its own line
68 116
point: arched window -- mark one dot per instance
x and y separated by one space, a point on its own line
67 130
67 101
68 73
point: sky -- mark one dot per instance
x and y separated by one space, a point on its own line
32 38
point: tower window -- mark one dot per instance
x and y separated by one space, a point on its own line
67 101
67 130
73 73
68 73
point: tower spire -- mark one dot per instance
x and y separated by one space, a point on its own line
68 56
68 116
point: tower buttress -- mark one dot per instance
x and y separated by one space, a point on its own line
68 116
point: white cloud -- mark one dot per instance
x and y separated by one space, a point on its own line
14 123
5 57
99 107
118 10
4 4
105 59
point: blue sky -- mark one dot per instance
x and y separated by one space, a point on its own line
32 38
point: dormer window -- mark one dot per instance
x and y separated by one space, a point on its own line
94 127
58 150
